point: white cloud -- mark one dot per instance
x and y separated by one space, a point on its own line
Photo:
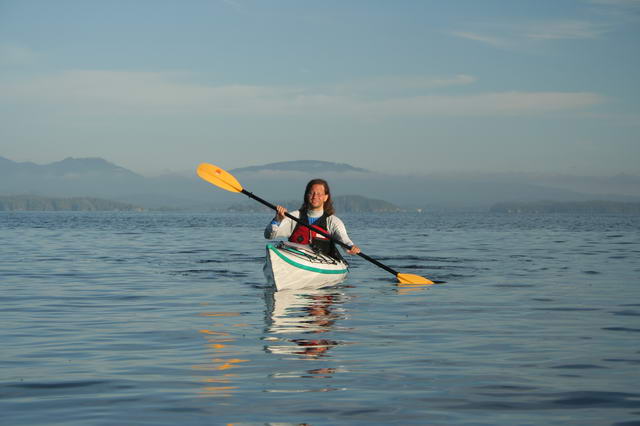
517 35
482 38
140 93
133 89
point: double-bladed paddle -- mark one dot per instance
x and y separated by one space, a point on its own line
225 180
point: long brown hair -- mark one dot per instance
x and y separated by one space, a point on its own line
328 205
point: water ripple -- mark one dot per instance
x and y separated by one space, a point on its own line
166 318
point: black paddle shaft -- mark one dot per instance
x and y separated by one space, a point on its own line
295 219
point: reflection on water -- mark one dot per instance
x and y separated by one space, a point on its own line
298 328
217 377
297 320
403 289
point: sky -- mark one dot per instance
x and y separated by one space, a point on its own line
401 87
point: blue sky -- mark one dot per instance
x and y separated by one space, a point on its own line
404 87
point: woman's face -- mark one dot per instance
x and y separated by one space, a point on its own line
316 196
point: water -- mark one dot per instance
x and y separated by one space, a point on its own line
150 318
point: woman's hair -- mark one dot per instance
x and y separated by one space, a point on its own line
328 205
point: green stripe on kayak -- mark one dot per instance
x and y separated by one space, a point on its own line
305 267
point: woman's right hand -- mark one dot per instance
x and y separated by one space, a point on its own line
280 211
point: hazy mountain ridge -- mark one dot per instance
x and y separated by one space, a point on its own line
342 204
304 166
68 166
96 177
38 203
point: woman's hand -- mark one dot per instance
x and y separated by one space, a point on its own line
280 211
354 249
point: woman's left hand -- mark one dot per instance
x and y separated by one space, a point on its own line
354 249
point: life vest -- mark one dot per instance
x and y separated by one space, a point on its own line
307 234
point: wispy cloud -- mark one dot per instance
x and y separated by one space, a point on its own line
137 93
516 36
633 3
396 85
617 12
482 38
566 29
14 54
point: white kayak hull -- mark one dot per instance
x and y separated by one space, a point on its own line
290 266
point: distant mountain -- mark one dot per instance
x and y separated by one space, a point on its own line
71 177
37 203
342 204
357 203
84 166
66 168
8 167
96 177
305 166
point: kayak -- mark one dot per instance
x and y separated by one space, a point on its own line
291 266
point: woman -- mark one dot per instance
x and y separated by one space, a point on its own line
316 212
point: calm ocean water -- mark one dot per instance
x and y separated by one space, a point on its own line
154 318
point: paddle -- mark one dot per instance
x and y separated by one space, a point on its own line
225 180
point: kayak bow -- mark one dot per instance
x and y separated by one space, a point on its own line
290 266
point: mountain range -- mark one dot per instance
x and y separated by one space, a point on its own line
96 177
305 166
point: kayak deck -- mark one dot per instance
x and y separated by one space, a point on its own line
295 266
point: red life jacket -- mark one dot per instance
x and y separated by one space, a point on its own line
306 234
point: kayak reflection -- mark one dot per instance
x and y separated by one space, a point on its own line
298 314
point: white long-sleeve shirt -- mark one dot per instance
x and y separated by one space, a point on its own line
335 227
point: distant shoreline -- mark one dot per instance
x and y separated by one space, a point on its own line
348 203
344 204
599 207
41 203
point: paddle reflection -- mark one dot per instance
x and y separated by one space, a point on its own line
218 375
303 313
403 289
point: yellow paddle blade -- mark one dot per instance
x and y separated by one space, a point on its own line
219 177
413 279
